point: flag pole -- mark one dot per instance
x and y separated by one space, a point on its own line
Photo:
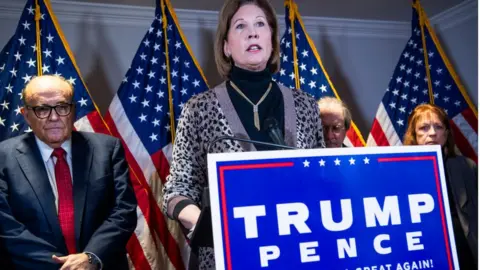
421 18
38 46
291 16
167 60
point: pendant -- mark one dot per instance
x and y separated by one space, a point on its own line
256 118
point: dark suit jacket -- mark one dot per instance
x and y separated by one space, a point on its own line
462 176
104 202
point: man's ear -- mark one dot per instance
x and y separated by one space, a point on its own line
24 112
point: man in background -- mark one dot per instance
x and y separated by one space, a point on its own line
336 120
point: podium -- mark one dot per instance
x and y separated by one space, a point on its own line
343 208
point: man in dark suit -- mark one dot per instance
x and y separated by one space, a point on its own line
65 197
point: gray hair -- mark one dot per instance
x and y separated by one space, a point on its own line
332 104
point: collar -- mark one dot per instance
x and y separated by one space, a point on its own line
47 151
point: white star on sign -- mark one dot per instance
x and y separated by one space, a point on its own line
366 160
321 163
352 161
306 163
337 162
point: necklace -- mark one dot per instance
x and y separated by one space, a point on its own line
256 119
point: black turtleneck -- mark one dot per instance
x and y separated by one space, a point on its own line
253 85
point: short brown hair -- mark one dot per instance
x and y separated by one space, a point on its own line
330 104
421 110
224 63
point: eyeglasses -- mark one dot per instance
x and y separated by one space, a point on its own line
334 128
45 111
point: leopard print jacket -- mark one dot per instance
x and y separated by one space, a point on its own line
211 115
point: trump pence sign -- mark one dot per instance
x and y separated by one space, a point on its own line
350 208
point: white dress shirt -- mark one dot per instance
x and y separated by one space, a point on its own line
49 162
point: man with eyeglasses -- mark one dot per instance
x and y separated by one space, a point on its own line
336 119
65 196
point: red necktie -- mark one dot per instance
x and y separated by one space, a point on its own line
65 199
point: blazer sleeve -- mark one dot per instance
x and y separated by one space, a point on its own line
317 123
187 171
112 236
17 244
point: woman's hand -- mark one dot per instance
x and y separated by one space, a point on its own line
189 216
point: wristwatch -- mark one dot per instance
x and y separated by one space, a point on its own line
93 260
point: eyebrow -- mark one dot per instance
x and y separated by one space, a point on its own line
240 19
58 103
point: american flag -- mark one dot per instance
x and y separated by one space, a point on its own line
163 75
303 69
25 57
424 75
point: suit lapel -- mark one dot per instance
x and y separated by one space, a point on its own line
31 163
82 155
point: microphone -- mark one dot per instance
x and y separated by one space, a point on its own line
271 125
202 235
272 145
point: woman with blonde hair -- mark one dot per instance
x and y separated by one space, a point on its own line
429 125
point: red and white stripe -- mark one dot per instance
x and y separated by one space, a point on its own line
352 139
465 133
383 133
158 243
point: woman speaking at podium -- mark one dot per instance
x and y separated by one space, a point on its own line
428 124
246 55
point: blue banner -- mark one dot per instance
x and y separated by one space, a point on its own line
354 209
